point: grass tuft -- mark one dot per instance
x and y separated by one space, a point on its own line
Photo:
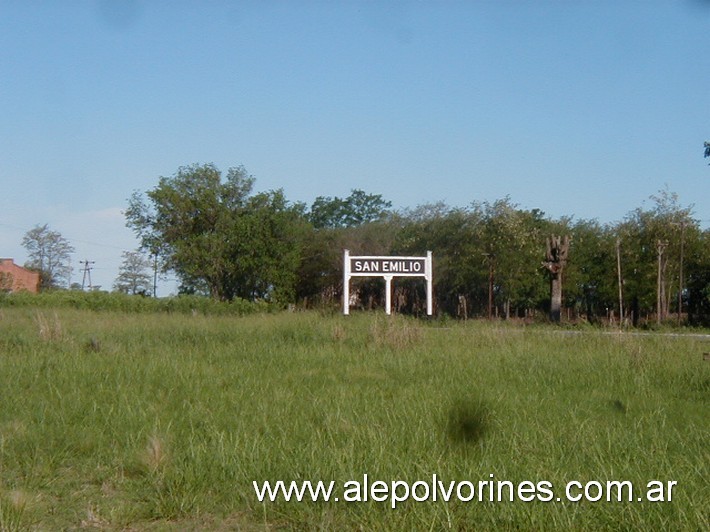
395 333
155 455
50 329
93 345
13 506
469 421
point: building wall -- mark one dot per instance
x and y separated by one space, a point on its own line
15 278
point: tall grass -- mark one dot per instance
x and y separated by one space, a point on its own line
163 421
117 302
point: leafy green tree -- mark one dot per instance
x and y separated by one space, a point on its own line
265 248
140 218
698 281
516 238
362 223
472 244
217 236
591 282
50 254
649 278
133 274
357 209
454 235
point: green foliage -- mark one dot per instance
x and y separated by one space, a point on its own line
454 236
511 241
357 209
223 240
320 277
361 223
516 238
698 281
591 285
119 302
467 242
640 234
218 237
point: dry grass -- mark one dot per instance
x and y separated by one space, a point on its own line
155 455
339 333
395 333
50 329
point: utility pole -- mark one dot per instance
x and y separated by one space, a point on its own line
491 272
682 225
660 248
87 272
155 274
618 272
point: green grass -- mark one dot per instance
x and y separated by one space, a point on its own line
117 302
155 421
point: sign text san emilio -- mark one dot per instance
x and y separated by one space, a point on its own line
393 265
387 267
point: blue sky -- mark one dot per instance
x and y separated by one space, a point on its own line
581 108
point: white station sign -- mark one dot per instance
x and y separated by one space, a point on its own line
387 267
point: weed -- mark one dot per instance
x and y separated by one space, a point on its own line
93 345
395 333
339 334
93 520
50 330
155 455
12 511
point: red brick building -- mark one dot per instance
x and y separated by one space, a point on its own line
14 278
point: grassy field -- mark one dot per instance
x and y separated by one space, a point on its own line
116 421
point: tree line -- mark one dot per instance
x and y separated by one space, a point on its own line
226 241
491 258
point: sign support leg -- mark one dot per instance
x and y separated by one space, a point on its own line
429 285
346 282
388 294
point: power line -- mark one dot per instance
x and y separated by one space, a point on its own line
67 237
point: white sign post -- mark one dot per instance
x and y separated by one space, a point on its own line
387 267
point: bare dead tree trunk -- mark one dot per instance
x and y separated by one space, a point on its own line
491 273
555 297
556 260
462 309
